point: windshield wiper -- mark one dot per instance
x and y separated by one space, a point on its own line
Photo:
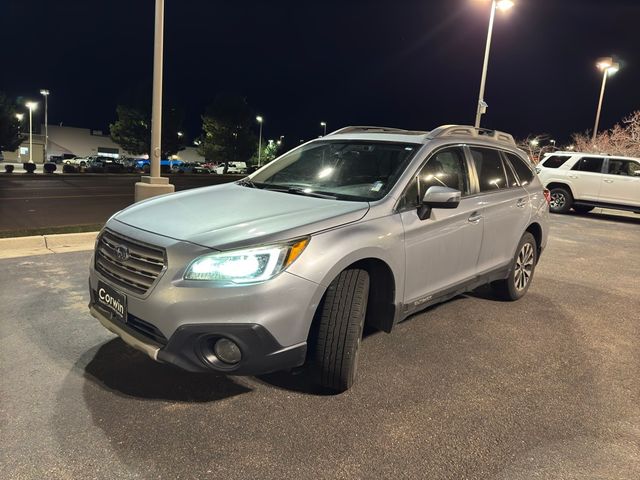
246 182
298 191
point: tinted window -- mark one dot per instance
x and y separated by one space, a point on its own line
525 174
554 161
589 164
490 170
446 168
623 167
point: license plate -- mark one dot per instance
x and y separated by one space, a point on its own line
113 300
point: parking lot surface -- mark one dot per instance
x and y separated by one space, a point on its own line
546 387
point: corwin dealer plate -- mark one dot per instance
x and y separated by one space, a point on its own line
113 300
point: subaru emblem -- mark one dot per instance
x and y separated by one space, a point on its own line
122 253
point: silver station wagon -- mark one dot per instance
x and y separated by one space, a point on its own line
284 268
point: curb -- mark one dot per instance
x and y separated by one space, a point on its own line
46 244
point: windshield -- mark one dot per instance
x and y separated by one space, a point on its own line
345 170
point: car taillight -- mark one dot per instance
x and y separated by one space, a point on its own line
547 195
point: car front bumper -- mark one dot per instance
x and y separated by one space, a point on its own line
177 321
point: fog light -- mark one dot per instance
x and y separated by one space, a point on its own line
227 351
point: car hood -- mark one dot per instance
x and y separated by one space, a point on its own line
232 216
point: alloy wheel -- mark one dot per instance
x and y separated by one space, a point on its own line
558 200
524 267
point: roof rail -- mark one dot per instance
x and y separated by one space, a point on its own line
365 129
468 131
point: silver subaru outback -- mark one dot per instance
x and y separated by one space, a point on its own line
284 268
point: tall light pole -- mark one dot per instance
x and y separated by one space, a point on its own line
608 67
324 125
19 116
260 120
31 106
482 105
45 93
155 184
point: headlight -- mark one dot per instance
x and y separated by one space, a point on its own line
246 266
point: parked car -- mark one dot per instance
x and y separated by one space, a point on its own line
166 166
365 226
100 164
191 167
77 161
585 181
232 168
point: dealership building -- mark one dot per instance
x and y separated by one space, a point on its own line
80 142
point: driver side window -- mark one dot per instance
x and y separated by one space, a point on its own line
446 168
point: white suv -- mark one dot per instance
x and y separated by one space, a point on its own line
585 181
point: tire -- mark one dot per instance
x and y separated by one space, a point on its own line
582 208
561 200
339 330
523 266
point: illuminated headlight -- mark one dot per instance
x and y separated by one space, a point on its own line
246 266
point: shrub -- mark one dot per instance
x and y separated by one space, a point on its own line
29 167
50 167
69 169
8 168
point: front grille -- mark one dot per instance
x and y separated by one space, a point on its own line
138 271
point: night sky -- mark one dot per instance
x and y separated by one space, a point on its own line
402 63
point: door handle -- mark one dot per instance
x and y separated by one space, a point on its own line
475 218
608 181
522 203
572 176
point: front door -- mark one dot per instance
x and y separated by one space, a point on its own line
441 251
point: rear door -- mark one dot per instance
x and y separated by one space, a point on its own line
506 208
621 182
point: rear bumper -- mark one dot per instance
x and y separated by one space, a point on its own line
191 346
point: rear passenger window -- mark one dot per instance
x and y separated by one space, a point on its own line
555 161
623 167
524 172
490 170
589 164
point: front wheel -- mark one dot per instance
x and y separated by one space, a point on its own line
561 200
339 330
516 285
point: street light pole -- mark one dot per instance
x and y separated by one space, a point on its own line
608 67
31 106
19 116
482 105
155 184
260 120
45 93
324 125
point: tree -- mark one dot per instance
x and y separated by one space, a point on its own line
10 138
623 139
227 130
132 130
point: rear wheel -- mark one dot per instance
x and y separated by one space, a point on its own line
582 208
339 330
523 265
561 200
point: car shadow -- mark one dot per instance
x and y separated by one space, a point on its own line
608 217
127 372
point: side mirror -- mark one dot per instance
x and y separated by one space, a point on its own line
438 197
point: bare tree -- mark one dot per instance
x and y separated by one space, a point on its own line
623 139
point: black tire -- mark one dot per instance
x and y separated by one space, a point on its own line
511 288
334 350
582 208
561 200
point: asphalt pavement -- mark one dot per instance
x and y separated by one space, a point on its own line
51 201
546 387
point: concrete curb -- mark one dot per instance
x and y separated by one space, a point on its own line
46 244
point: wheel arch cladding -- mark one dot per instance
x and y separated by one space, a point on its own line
536 230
